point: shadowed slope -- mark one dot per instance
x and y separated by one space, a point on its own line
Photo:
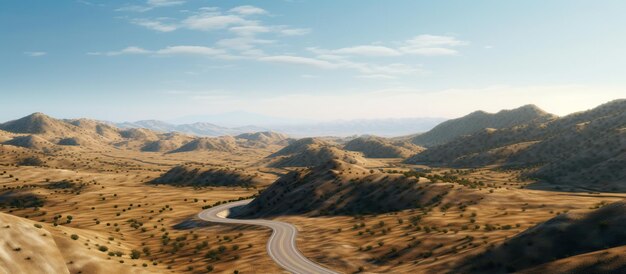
341 188
202 176
563 236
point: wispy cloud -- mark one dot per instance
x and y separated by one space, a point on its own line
35 53
248 10
368 70
190 50
242 43
367 51
155 24
250 30
241 22
172 50
165 3
236 20
150 5
344 58
287 31
424 45
214 21
431 45
297 60
246 26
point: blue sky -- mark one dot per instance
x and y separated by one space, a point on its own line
305 59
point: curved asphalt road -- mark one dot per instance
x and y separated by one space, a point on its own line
281 245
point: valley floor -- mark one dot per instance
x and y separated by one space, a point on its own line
103 216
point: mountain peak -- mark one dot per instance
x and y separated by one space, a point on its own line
531 108
479 120
35 123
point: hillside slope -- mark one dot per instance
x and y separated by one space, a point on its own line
480 120
586 148
166 142
27 249
311 152
377 147
191 175
263 138
340 188
561 237
223 144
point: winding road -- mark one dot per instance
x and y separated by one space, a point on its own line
281 245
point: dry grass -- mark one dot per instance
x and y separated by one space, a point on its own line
109 186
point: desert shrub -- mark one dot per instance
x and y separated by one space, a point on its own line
135 254
75 237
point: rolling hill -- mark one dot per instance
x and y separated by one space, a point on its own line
586 149
378 147
39 131
480 120
264 138
566 235
340 188
29 141
167 142
223 144
199 176
311 152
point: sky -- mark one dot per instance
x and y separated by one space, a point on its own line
314 60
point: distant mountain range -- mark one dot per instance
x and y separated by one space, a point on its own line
381 127
199 128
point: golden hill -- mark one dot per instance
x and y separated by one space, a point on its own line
339 188
39 131
264 138
202 176
564 236
480 120
166 142
378 147
28 249
80 132
37 123
585 149
32 247
311 152
224 144
30 141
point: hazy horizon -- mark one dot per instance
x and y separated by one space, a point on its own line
238 118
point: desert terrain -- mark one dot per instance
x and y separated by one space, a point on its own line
515 191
